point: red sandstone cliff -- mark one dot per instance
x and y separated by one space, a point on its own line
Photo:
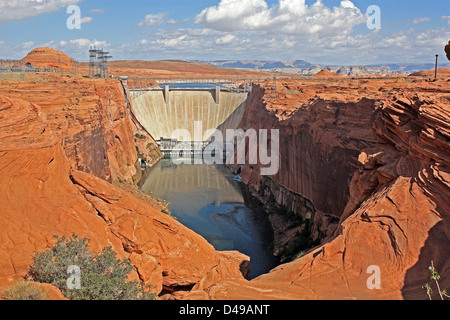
380 161
62 140
90 118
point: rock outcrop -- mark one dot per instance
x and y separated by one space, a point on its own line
63 139
442 74
379 162
92 120
326 74
50 58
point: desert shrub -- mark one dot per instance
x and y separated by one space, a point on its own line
103 276
435 277
25 290
139 136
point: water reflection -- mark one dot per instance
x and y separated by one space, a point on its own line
206 199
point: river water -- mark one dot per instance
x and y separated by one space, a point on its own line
208 200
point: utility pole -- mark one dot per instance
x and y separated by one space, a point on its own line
435 68
274 93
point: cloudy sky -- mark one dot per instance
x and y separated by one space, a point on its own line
319 31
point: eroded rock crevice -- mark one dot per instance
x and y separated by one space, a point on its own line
378 167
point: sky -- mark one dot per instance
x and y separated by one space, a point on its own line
333 32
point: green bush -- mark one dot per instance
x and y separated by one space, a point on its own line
103 276
139 136
25 290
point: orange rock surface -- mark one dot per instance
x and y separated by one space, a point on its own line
63 139
442 74
326 74
90 118
50 58
372 153
376 155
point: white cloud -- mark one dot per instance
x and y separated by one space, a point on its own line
287 17
26 45
97 10
17 51
153 20
12 10
233 15
79 48
421 20
436 38
348 4
172 42
226 39
446 18
84 43
86 20
408 46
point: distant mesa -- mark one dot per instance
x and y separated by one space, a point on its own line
326 74
443 72
49 58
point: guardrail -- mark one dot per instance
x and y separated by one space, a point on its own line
10 65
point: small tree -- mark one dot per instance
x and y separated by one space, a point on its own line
103 276
436 277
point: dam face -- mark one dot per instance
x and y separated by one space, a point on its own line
162 112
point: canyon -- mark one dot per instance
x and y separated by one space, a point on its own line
365 170
372 158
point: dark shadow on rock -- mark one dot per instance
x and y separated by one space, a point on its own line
436 249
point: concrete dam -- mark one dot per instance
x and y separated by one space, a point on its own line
163 111
206 198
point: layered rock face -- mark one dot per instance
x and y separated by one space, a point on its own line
90 118
377 160
319 148
50 58
63 139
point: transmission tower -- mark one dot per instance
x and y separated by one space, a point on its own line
98 62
